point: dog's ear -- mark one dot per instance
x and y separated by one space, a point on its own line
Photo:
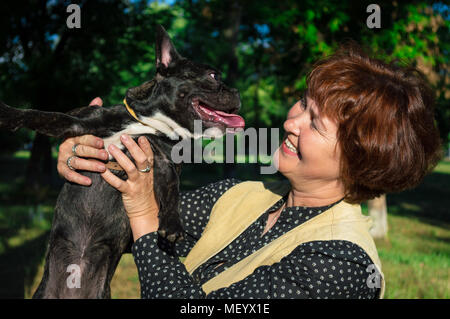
165 51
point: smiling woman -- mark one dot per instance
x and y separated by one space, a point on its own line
362 128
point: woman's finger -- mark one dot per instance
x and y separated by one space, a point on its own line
64 171
72 176
144 144
114 181
124 162
140 158
88 140
88 146
90 152
85 165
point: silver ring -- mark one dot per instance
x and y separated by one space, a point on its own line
145 170
68 162
74 149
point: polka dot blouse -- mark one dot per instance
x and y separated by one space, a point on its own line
317 269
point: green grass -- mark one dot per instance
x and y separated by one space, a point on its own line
416 253
443 167
415 256
415 259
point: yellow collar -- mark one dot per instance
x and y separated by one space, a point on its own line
129 109
115 165
132 113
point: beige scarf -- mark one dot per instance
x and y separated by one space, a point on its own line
243 204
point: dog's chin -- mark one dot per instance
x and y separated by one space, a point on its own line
214 131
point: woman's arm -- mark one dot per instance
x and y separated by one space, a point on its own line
138 196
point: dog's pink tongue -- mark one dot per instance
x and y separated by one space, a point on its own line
231 120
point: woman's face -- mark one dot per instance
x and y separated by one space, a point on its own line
307 153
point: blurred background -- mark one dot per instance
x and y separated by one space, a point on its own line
265 48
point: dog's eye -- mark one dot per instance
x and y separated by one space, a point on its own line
214 76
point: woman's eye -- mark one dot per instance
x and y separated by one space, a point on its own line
303 103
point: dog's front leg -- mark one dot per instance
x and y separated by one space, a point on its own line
53 124
47 123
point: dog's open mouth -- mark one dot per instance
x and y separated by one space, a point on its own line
208 114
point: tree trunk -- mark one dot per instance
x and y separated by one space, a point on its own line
378 211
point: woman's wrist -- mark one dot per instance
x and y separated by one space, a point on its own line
143 223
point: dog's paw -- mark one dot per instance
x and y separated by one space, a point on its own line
172 233
172 237
8 118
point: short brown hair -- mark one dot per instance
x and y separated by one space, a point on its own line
385 116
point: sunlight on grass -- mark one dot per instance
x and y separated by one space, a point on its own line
415 259
412 207
25 154
125 283
443 167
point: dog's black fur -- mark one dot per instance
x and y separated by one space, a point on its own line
90 227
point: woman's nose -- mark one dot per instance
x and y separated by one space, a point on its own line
292 125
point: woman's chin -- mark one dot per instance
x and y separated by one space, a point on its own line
284 163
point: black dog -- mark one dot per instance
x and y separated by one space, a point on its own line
90 228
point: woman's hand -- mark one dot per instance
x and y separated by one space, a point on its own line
89 148
137 191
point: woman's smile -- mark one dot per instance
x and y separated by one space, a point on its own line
289 148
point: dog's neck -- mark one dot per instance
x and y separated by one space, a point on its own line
131 112
156 124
